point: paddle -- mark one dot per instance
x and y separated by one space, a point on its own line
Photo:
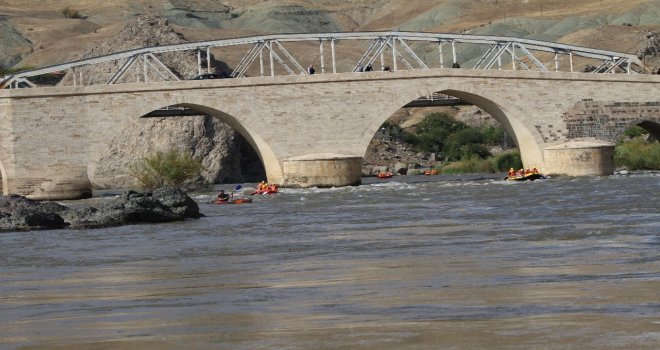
238 187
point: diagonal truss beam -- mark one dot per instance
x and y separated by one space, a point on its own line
272 46
290 57
129 62
375 49
485 56
533 58
247 59
498 56
412 54
160 67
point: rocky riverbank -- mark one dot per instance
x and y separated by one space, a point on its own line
18 213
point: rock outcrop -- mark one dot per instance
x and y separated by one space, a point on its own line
204 137
220 147
649 51
387 153
18 213
14 45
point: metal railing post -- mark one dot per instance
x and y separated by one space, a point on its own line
332 48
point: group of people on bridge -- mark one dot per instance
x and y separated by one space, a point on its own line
367 68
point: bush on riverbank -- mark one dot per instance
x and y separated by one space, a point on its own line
499 163
504 161
171 168
452 139
472 165
637 155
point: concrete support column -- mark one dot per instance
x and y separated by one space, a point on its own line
66 182
579 159
320 171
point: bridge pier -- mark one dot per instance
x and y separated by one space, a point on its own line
71 183
322 171
579 159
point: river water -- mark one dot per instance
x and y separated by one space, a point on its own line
438 262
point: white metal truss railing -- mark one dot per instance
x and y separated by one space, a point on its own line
494 52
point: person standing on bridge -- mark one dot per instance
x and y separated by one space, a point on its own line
311 69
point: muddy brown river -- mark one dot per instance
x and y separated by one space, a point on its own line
437 262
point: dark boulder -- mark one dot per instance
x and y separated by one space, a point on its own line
18 213
178 201
163 205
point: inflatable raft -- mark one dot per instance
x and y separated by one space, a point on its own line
268 190
526 177
234 201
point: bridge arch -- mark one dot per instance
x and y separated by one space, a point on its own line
157 102
264 151
649 124
507 113
510 117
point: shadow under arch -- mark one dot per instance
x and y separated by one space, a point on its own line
652 126
269 160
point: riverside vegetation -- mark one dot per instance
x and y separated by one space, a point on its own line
170 168
637 150
469 149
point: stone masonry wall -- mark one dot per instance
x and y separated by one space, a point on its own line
606 121
58 134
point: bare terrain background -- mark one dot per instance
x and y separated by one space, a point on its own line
36 33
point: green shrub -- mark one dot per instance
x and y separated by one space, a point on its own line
465 144
431 133
453 139
444 121
504 161
492 135
635 131
71 13
431 140
472 165
392 129
172 168
637 155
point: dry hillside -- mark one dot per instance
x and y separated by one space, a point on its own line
37 33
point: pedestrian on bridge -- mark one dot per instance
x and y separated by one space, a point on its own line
311 69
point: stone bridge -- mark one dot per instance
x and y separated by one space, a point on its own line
313 130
